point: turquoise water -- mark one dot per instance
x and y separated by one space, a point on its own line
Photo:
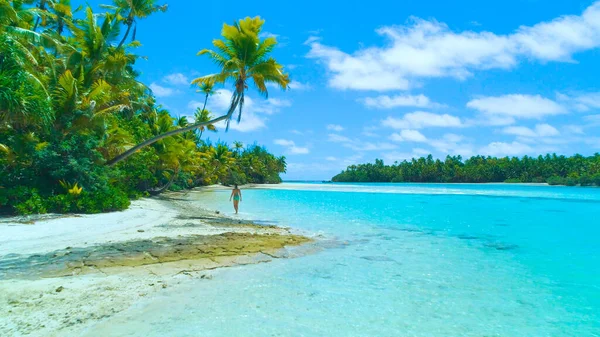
415 260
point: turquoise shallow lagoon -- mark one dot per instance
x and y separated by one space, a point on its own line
420 260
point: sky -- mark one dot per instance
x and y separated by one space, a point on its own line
394 79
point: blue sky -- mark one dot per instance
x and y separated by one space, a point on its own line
394 80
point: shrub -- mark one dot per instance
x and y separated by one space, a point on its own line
538 180
21 200
513 181
570 181
586 180
596 179
106 200
33 205
556 180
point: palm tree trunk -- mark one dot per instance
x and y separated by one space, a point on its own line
205 100
125 37
234 103
166 186
37 21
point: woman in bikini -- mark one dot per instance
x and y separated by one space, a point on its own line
236 194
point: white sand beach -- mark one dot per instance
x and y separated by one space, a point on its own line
59 275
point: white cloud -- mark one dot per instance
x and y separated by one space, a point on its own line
253 114
504 109
370 134
581 101
393 156
335 138
592 120
264 35
541 130
359 144
295 85
291 146
452 144
428 48
369 131
312 39
505 149
589 101
176 79
283 142
335 127
408 136
387 102
331 159
422 119
368 146
546 130
574 129
298 150
160 91
296 132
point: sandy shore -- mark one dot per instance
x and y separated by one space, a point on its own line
61 275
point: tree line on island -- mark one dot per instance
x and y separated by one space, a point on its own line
551 168
80 133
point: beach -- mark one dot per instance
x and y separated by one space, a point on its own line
61 274
343 260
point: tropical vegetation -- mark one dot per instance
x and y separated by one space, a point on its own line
551 168
80 133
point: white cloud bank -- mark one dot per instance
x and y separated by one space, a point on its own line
428 48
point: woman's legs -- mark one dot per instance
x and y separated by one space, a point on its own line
235 205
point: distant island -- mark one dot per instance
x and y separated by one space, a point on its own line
551 168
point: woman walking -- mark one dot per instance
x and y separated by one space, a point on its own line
236 194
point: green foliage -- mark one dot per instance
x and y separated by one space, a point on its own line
553 169
70 102
21 200
106 200
556 180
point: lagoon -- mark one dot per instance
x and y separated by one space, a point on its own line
402 260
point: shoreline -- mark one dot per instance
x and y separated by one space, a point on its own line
62 274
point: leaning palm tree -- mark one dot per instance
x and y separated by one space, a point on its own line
243 58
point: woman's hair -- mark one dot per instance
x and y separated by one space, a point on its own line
235 185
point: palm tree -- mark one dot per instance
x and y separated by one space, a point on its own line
238 146
135 9
42 7
220 158
243 57
204 116
208 89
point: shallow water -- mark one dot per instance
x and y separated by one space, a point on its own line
420 260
